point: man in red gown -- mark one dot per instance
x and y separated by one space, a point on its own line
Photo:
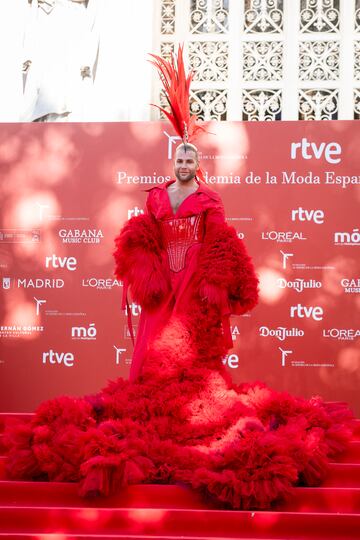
187 219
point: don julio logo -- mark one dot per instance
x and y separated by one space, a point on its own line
298 284
280 332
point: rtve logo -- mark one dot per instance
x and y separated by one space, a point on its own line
317 216
310 150
61 262
52 357
136 211
314 312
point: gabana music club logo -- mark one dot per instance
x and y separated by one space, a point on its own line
351 286
81 236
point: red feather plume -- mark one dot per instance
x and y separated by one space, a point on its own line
176 86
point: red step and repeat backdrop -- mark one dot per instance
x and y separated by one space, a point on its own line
290 189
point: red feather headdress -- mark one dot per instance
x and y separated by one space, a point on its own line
176 86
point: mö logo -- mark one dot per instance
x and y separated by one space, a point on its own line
61 262
134 212
298 284
231 360
280 332
312 312
317 216
52 357
81 332
347 238
311 150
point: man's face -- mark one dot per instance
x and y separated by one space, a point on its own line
185 165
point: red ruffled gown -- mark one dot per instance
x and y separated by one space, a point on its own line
180 418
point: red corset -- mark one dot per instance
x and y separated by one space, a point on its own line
179 234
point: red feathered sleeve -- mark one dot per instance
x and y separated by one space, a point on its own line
226 272
140 261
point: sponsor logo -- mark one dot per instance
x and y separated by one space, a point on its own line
280 332
235 332
6 283
118 353
298 284
39 283
101 283
38 304
311 150
172 141
341 334
61 262
41 210
62 358
18 331
127 332
284 354
282 236
300 363
81 332
240 235
81 236
135 309
231 360
317 216
347 238
311 312
19 236
136 211
351 285
301 266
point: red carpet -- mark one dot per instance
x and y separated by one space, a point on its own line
54 511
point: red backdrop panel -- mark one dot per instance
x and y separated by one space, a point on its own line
290 189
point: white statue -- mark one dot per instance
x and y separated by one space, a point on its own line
61 44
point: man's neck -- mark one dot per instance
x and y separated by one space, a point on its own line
185 186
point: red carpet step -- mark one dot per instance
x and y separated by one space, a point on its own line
53 511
